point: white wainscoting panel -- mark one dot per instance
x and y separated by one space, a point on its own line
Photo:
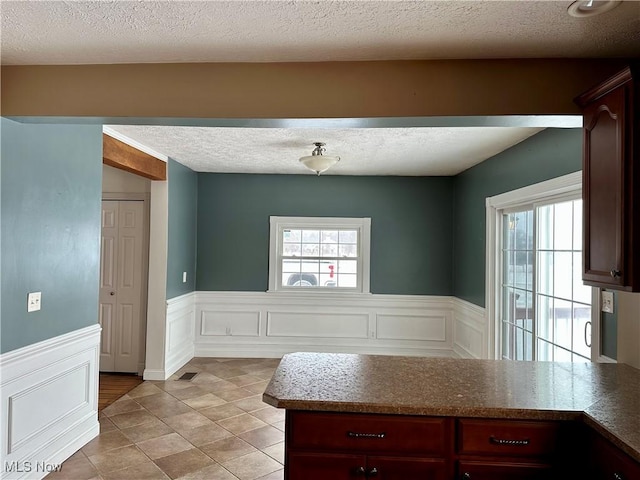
181 321
219 322
470 330
49 398
314 325
413 327
354 323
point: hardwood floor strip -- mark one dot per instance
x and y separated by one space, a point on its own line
112 386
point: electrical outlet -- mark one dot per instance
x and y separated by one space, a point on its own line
607 301
33 301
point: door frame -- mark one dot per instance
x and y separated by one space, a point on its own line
145 199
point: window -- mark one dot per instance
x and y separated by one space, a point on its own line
319 254
542 308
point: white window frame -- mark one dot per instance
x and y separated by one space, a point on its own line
550 191
278 224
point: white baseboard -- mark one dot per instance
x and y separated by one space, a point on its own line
469 330
49 401
154 374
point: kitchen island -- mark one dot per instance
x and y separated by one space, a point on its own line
451 418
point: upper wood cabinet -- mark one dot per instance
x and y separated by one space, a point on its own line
611 182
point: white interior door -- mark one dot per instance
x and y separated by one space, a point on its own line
121 284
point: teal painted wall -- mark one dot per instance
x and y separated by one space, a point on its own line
51 193
549 154
182 226
411 225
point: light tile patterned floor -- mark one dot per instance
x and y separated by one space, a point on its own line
214 427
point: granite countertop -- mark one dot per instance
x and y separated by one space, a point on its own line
605 396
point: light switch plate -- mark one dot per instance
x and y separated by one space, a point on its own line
607 302
33 301
184 277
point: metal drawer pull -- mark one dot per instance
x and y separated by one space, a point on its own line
618 476
501 441
365 435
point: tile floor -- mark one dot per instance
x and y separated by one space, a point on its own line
214 427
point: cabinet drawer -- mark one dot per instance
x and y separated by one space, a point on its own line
512 438
365 432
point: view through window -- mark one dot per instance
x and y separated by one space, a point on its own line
319 254
319 258
546 309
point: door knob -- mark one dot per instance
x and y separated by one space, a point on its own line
360 471
615 273
372 473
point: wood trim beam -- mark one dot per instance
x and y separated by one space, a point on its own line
118 154
302 90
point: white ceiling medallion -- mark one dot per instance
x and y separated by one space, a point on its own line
318 161
589 8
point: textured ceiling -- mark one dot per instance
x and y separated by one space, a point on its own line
87 32
363 151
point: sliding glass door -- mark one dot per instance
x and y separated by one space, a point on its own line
545 308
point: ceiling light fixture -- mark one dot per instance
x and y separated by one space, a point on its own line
589 8
318 161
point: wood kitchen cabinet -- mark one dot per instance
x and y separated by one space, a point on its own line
339 446
611 182
607 462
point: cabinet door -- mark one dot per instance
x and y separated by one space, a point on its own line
468 470
604 256
320 466
609 180
398 468
609 463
